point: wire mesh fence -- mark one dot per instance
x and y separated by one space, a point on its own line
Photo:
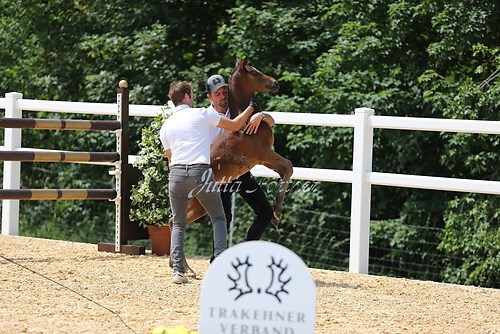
322 241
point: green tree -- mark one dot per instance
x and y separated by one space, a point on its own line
78 51
472 238
402 58
472 230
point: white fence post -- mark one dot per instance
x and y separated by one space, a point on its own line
11 169
361 192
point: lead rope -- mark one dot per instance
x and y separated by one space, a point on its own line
76 292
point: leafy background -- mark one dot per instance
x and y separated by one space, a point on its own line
402 58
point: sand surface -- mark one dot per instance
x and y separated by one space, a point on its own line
66 287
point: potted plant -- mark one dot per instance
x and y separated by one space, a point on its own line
150 205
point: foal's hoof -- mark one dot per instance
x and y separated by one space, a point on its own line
190 273
275 221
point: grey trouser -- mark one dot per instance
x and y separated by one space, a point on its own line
183 185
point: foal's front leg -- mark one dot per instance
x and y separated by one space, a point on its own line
284 168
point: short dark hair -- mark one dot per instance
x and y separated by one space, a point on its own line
177 91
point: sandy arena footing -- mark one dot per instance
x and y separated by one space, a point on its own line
66 287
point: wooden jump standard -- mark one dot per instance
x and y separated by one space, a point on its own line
124 229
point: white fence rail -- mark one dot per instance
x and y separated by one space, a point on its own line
363 121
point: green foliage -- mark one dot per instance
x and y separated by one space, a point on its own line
403 250
472 155
68 220
472 233
472 230
78 51
150 202
401 58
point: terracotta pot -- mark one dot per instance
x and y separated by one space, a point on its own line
160 239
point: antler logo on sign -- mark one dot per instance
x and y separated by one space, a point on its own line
242 284
258 287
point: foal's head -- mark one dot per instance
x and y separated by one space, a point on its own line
251 80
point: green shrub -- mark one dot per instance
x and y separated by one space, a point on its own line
150 203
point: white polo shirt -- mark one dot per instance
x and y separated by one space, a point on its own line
187 133
214 131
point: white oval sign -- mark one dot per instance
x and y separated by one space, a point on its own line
258 287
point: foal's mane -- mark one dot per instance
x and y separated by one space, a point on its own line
233 109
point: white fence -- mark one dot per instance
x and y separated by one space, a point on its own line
362 177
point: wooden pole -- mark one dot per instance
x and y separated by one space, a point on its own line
59 156
57 194
58 124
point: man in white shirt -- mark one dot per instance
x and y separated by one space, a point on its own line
218 93
186 138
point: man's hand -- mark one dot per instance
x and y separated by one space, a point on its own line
253 124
